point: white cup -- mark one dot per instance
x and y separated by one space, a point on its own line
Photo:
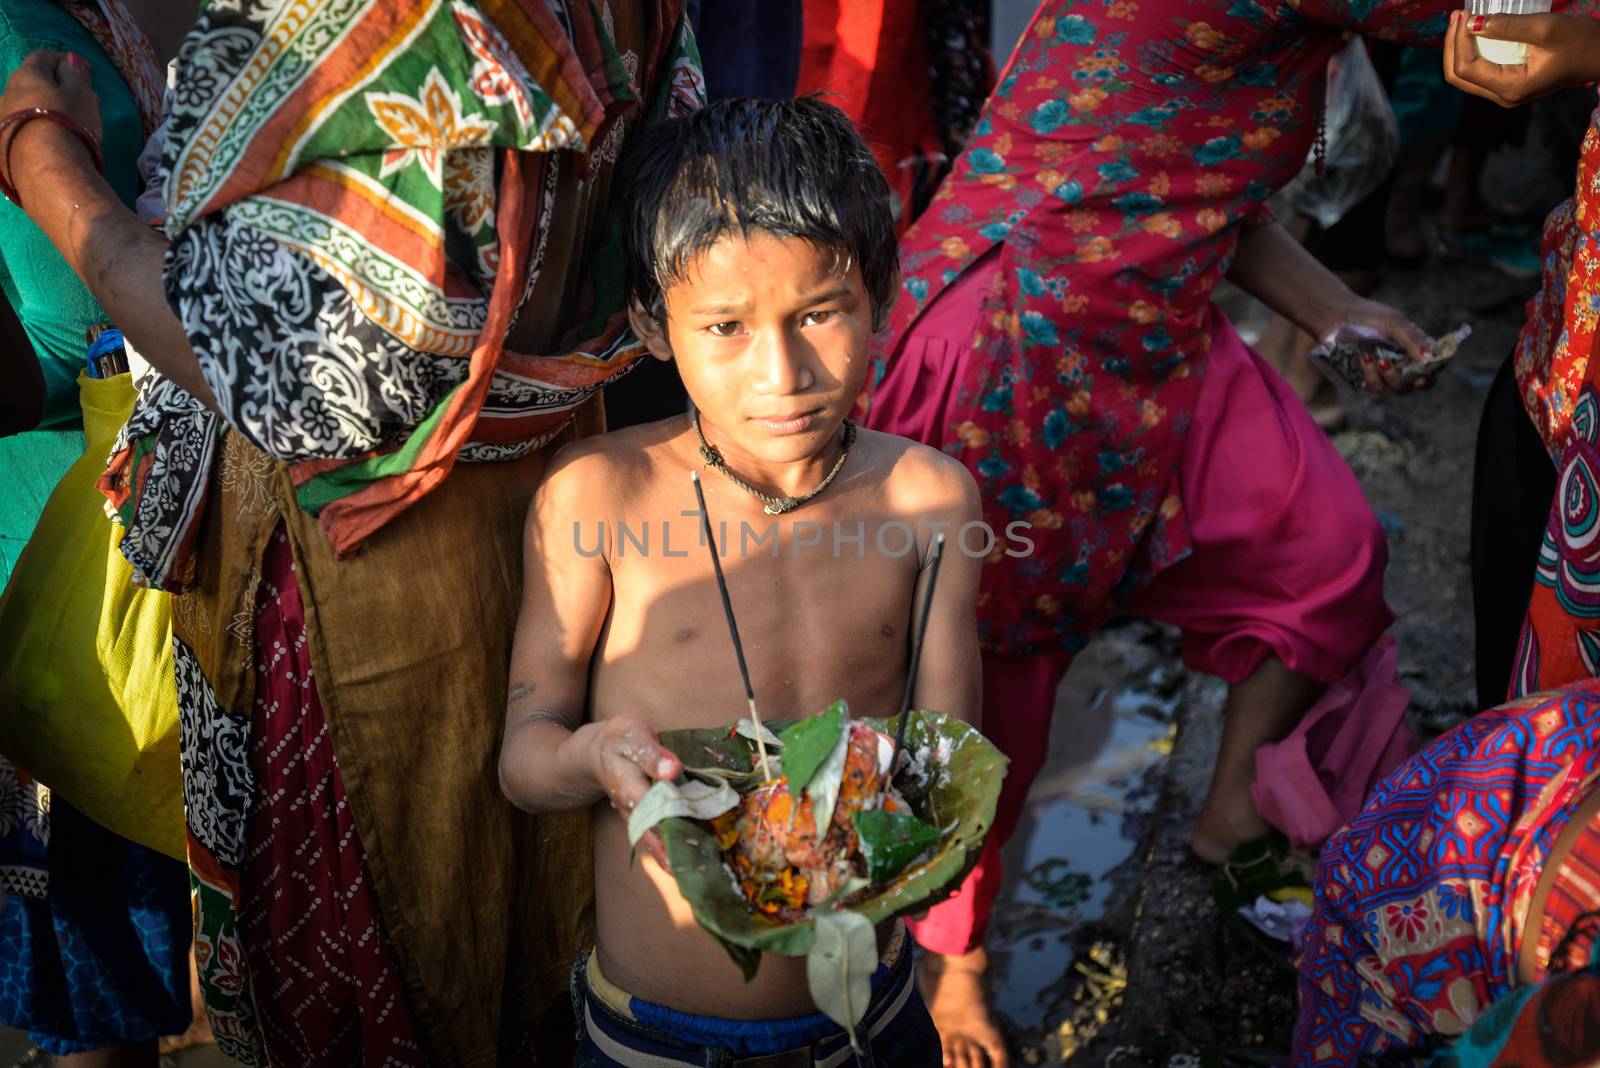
1507 53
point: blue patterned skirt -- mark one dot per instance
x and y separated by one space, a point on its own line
102 956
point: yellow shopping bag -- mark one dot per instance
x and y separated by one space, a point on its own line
88 702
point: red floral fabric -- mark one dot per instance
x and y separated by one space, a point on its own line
326 981
1125 149
1552 356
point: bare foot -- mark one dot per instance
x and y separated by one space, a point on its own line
1262 708
956 990
1226 821
198 1034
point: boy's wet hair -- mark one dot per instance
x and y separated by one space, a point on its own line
792 168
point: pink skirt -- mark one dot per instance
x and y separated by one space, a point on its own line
1288 557
1287 561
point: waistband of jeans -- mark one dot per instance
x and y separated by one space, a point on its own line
609 1016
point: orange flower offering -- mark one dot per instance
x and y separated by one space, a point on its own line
771 844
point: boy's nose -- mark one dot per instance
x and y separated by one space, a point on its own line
785 366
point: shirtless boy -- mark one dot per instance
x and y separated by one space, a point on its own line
761 252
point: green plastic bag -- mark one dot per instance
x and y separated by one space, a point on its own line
88 700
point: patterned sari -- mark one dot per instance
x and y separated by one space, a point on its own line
392 251
1560 638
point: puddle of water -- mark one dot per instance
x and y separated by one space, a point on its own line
1113 725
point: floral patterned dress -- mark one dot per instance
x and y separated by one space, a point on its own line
1560 641
1127 146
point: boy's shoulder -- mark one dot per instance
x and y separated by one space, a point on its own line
615 463
917 476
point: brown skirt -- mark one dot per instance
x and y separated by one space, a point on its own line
410 642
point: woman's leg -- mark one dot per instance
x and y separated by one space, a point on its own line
1283 592
1019 697
1264 707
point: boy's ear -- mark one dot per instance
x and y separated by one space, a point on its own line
651 332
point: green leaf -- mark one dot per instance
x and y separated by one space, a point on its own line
697 800
953 783
839 967
808 743
823 789
748 728
890 841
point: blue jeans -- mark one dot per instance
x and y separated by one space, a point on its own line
898 1030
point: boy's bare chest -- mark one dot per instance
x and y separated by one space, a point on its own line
822 612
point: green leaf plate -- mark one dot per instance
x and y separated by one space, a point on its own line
957 795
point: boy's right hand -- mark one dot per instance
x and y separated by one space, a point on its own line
625 758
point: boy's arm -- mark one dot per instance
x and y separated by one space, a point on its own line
950 675
551 760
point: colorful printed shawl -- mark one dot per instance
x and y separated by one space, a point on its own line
1552 355
119 36
357 197
1560 638
1554 1023
1422 899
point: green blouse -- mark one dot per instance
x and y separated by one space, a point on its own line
53 304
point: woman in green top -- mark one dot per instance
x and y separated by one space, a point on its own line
94 930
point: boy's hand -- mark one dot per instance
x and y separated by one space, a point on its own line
625 758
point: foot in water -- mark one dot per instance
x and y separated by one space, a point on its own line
957 992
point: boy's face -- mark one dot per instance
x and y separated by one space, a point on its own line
772 342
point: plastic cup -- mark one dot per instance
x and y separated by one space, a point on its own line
1506 53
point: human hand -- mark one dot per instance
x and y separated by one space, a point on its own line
58 81
625 757
1359 316
1563 50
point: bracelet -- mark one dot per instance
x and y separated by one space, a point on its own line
18 119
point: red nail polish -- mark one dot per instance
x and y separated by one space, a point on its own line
1475 23
1366 357
1384 365
75 60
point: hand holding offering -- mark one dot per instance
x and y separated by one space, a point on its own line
1367 345
835 845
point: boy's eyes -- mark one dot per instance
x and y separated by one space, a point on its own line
811 318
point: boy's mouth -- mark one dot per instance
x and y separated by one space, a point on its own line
797 423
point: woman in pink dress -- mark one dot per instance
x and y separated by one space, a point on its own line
1056 332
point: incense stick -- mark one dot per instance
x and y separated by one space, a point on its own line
916 650
733 627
